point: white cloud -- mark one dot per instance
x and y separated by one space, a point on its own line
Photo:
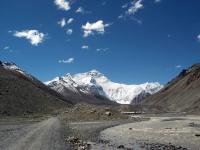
34 36
179 66
68 61
198 37
70 20
98 27
69 31
135 6
85 47
87 33
62 22
62 4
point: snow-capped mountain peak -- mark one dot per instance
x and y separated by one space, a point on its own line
93 73
13 67
94 82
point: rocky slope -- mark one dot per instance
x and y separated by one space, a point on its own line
95 83
23 94
182 94
139 98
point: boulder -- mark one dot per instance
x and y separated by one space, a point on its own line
108 113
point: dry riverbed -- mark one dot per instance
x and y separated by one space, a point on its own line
86 134
157 133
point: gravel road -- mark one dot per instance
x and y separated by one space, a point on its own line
45 135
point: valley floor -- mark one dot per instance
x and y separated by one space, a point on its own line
156 133
52 134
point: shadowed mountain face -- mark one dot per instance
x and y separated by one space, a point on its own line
182 94
138 99
21 93
79 97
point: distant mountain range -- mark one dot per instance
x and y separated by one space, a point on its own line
182 94
95 83
22 93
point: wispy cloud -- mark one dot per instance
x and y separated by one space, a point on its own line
34 36
6 47
157 1
69 31
62 4
104 3
82 11
135 7
125 5
102 49
179 66
198 37
62 22
85 47
91 28
70 20
131 9
120 16
68 61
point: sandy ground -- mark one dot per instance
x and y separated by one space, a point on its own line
45 135
164 130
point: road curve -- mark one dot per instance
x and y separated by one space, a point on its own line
45 135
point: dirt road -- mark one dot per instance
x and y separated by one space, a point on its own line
45 135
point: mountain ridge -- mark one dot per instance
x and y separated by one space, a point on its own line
94 82
23 94
181 94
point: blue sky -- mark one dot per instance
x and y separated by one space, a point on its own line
129 41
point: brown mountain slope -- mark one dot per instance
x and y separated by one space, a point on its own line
20 95
182 94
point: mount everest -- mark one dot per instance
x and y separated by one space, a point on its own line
95 83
